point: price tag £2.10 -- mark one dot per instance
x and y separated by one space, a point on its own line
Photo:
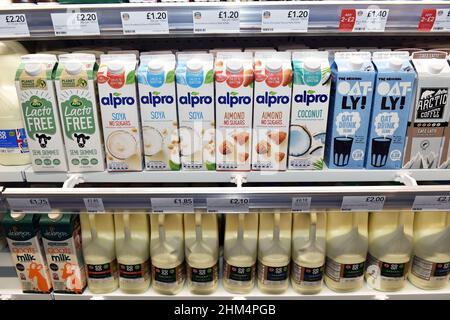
363 203
30 204
172 205
75 24
145 22
227 205
216 21
431 203
13 25
363 20
284 20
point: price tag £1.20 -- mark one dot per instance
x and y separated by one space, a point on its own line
363 20
30 204
13 25
145 22
216 21
172 205
363 203
75 24
284 20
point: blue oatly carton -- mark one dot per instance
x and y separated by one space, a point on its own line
353 77
393 96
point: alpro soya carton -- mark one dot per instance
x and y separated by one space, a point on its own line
353 76
393 97
310 101
195 91
37 97
272 108
156 78
61 234
430 114
234 110
77 99
120 113
25 243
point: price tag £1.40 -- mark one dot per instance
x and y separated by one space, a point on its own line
75 24
13 25
216 21
363 20
145 22
284 20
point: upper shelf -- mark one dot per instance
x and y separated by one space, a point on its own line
324 16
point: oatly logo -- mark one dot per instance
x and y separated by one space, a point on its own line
310 96
432 103
194 98
233 98
116 100
154 98
393 96
270 98
354 95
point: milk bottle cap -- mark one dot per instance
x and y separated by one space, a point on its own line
395 63
155 66
194 65
33 69
312 65
73 68
18 216
436 65
55 216
356 63
273 65
234 66
115 67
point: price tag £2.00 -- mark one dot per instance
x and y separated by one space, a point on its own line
172 205
216 21
363 203
145 22
363 20
30 204
14 25
75 24
284 20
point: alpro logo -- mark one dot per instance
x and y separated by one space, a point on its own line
194 98
271 98
310 96
155 98
233 98
116 100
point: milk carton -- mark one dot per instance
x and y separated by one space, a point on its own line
430 115
36 92
234 110
74 81
156 78
120 113
61 234
353 78
272 107
310 100
195 91
393 97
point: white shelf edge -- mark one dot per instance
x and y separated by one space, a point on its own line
13 173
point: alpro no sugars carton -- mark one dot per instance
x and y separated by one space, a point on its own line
195 92
430 114
271 111
310 103
353 76
37 97
158 105
393 97
234 110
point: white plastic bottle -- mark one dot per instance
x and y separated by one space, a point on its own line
241 241
390 246
308 251
201 237
430 263
133 251
167 252
346 251
99 252
274 251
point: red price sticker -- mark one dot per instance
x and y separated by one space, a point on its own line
348 20
363 20
434 20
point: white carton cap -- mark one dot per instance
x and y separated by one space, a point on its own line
55 216
154 66
356 63
73 67
234 65
18 216
33 68
395 63
436 65
194 65
115 67
312 65
273 65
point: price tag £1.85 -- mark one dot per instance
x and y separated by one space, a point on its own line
227 205
363 203
30 204
75 24
172 205
363 20
284 20
216 21
14 25
145 22
302 204
94 204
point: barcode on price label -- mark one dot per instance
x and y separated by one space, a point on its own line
172 205
363 20
227 205
431 203
30 204
94 204
75 24
363 203
216 21
302 204
13 25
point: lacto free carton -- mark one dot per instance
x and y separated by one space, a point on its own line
195 91
77 99
158 104
272 108
393 97
353 78
234 110
310 101
37 97
430 115
120 113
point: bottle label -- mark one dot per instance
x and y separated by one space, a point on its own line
203 277
344 272
272 275
134 272
102 272
168 277
428 270
238 275
13 141
310 277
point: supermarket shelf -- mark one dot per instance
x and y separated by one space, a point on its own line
10 290
324 15
12 173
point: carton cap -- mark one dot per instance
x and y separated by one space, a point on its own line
73 67
155 66
55 216
18 216
395 63
356 63
33 68
194 65
234 65
436 65
273 65
115 67
312 65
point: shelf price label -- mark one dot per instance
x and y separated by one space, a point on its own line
94 204
363 203
431 203
302 204
216 21
434 20
172 205
284 21
363 20
75 24
230 205
30 204
14 25
145 22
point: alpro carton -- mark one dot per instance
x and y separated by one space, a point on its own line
430 114
158 104
61 235
37 97
353 76
393 97
272 108
195 91
120 113
234 110
310 101
25 243
77 99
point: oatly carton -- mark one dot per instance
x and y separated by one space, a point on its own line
195 91
234 110
430 114
37 97
156 81
393 97
310 102
120 113
353 76
272 108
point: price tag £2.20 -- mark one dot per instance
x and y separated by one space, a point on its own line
13 25
75 24
363 20
216 21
